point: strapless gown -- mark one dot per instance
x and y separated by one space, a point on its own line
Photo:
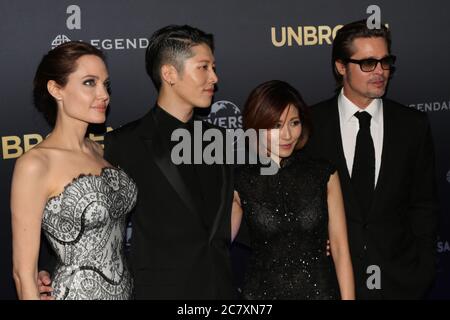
85 225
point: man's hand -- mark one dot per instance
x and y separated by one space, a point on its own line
44 285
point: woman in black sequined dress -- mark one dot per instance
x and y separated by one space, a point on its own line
291 214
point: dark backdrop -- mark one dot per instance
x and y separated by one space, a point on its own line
250 49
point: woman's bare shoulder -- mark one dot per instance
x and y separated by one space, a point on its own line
34 162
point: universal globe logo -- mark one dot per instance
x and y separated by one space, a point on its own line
225 114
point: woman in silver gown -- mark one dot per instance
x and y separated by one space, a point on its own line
65 187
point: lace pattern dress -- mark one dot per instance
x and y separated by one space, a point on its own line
85 225
287 219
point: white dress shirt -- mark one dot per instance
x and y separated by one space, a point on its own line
350 126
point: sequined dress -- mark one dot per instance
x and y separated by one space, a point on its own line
287 219
85 225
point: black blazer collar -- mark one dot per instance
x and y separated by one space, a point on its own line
389 149
336 131
341 162
161 156
148 132
389 129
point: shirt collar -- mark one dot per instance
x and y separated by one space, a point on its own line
347 109
169 122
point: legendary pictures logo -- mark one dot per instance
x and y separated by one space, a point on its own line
225 114
74 22
107 44
60 39
433 106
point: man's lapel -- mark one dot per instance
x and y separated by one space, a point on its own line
389 147
161 156
344 175
225 201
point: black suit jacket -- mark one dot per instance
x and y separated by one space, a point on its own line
399 233
174 254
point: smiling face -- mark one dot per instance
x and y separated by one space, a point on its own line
85 97
362 87
194 85
288 130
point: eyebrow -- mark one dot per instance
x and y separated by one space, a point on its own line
207 61
372 57
294 118
93 76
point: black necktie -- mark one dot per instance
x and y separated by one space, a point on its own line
363 172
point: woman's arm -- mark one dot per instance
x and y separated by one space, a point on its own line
28 199
337 230
236 216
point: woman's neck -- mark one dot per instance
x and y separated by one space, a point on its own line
70 134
